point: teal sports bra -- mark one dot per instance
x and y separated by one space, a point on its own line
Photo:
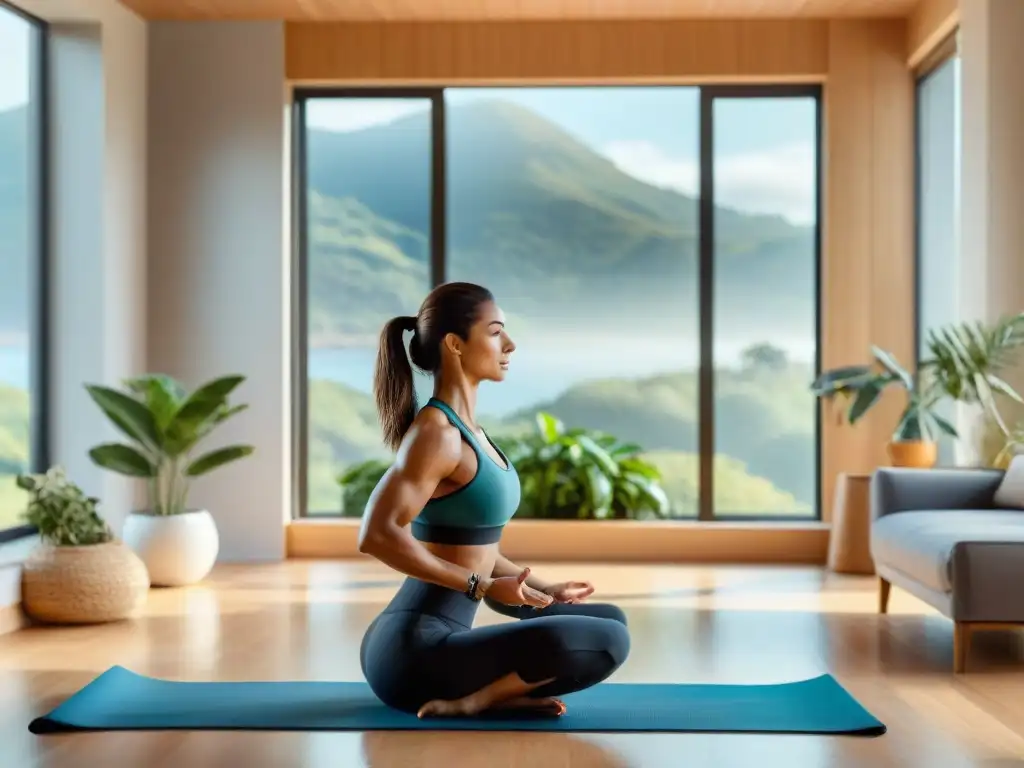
477 512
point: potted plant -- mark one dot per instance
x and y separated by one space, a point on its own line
580 474
79 573
165 423
962 364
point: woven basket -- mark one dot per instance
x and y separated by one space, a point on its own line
83 585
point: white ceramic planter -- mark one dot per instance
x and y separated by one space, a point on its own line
177 549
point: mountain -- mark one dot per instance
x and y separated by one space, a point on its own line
554 228
15 288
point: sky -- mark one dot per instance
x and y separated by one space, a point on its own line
764 148
14 59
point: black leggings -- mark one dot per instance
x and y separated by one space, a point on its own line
422 647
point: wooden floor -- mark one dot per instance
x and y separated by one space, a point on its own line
746 624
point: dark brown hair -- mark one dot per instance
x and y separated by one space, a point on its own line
449 308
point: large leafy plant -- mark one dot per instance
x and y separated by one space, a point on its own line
583 474
62 513
357 483
165 424
963 363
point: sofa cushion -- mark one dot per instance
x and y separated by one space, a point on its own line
1010 492
920 543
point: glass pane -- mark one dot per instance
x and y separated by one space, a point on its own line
765 324
20 256
938 149
368 233
577 207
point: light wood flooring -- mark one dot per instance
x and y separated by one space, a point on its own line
304 620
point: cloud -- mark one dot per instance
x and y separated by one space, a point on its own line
344 115
778 181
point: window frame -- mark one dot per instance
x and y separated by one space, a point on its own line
301 94
39 321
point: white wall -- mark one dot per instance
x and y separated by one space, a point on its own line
992 172
218 263
98 187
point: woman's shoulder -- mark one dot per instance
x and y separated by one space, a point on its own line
431 431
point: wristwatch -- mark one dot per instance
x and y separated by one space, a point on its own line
475 587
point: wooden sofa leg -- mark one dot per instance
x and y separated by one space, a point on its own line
961 645
883 595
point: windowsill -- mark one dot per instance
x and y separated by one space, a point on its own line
17 533
734 541
758 523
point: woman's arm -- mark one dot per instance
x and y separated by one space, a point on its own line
505 567
430 452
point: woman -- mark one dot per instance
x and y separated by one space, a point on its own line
437 516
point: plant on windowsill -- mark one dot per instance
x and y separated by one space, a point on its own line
962 365
79 573
998 448
565 474
165 424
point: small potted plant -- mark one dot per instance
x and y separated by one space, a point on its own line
80 573
164 424
962 364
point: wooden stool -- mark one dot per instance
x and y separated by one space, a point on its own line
849 545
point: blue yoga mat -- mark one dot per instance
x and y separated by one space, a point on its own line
121 700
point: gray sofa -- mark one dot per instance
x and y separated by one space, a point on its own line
955 539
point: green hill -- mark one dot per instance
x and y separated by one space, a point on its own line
764 433
14 429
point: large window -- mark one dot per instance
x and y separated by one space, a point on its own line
655 251
22 252
938 211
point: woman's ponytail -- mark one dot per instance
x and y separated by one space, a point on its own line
393 387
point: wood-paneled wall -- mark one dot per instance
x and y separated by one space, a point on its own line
868 255
547 51
931 22
868 247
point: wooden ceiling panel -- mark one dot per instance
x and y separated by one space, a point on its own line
514 10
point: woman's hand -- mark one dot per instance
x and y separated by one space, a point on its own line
570 591
513 590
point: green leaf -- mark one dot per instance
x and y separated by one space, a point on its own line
599 455
651 491
201 411
214 459
128 414
626 449
1003 388
600 491
549 427
161 394
123 459
944 425
865 399
887 361
844 379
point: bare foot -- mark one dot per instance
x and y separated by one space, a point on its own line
509 688
544 706
467 705
470 705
